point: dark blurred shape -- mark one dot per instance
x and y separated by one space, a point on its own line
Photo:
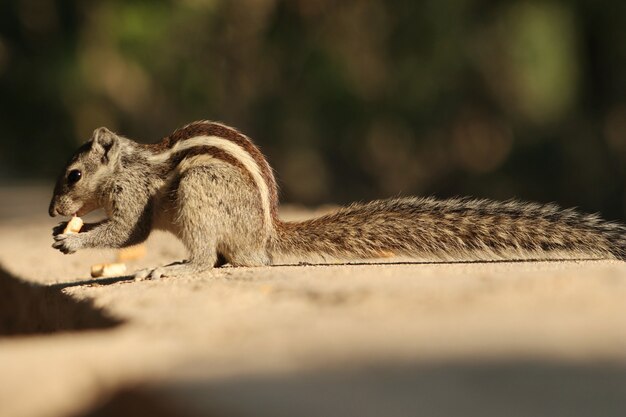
29 309
350 100
513 389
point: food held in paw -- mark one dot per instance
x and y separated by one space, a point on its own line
73 226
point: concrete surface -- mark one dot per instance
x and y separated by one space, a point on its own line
483 339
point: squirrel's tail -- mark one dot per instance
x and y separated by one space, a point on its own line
455 229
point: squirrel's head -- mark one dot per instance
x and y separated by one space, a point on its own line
78 187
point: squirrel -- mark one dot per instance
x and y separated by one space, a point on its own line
211 187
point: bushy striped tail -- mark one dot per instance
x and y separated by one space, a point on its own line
455 229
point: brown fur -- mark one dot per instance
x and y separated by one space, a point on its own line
207 128
455 229
208 194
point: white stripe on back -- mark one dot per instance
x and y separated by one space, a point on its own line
232 149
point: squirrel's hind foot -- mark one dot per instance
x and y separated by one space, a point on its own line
177 269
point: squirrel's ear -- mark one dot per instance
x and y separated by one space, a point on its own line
105 143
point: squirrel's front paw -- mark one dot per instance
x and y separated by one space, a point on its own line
68 243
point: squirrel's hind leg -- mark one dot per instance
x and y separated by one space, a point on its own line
219 211
216 210
176 269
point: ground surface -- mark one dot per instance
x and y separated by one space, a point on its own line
488 339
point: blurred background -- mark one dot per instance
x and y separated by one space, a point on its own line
350 100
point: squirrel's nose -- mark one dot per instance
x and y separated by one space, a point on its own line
52 210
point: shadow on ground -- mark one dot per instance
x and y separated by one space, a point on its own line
27 309
509 389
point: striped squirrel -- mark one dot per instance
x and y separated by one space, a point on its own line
210 186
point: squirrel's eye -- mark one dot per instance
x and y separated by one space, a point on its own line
74 176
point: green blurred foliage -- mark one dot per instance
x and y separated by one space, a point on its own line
350 100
